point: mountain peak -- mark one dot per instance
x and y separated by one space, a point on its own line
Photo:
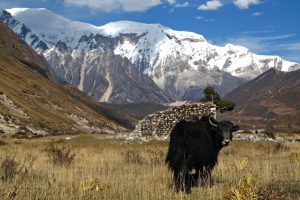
58 27
51 27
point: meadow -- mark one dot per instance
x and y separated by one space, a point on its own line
96 167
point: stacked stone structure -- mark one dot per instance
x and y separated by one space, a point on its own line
160 124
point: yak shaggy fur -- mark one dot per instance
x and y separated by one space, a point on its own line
195 146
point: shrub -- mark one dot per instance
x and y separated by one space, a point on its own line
94 184
270 134
17 142
281 147
294 157
2 143
241 164
9 168
245 190
280 190
156 156
133 157
59 155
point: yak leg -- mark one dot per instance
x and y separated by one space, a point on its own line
206 178
191 180
187 181
210 179
195 178
202 176
178 180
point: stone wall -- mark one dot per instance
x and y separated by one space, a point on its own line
160 124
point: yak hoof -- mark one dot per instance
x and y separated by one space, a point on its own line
188 191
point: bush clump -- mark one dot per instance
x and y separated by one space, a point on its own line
294 157
279 147
279 190
60 155
133 157
2 143
240 165
9 168
245 190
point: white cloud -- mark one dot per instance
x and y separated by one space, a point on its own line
182 5
171 2
205 19
257 14
295 46
244 4
111 5
257 31
277 37
210 20
199 17
211 5
265 44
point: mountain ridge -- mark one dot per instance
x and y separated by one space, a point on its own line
114 29
180 63
270 101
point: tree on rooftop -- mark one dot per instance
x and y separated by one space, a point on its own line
223 105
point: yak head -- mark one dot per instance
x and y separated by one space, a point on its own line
224 130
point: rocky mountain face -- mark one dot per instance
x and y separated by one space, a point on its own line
270 101
31 104
180 63
103 75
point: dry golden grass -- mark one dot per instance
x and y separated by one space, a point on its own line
112 169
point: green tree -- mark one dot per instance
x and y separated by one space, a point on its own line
223 105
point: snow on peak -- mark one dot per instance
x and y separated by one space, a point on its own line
114 29
185 35
235 48
126 27
51 27
15 11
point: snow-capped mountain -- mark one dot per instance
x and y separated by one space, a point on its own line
101 74
180 63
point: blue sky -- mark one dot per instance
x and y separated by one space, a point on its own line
264 26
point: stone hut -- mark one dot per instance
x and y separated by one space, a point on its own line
159 125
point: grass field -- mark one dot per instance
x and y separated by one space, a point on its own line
113 169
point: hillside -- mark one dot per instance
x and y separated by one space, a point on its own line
270 101
32 104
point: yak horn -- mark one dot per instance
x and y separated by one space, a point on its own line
211 123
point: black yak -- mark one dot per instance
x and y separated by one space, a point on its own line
194 146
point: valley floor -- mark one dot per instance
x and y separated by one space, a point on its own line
114 169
